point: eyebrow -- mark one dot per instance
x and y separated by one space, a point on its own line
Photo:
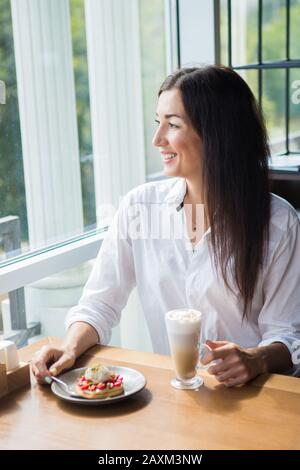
167 116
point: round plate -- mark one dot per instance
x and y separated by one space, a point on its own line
133 382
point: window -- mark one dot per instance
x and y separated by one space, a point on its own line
260 40
69 142
46 161
78 90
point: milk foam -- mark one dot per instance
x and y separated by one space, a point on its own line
185 321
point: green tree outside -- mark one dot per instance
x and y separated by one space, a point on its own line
12 188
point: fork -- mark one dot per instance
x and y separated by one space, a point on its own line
50 378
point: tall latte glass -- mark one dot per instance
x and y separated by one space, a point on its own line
183 327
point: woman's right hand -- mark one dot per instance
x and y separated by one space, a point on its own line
51 361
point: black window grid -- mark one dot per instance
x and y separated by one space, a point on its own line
287 64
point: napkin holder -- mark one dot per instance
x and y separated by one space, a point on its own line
13 379
19 377
3 380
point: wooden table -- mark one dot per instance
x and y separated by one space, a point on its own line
262 415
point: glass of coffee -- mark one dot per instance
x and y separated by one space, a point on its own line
183 327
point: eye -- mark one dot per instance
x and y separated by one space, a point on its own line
172 126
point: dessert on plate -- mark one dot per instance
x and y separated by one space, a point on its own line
99 382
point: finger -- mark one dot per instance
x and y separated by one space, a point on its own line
216 355
231 373
40 367
207 358
37 375
222 365
47 355
222 352
64 362
235 381
216 344
41 360
39 371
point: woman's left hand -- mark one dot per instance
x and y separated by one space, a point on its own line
237 366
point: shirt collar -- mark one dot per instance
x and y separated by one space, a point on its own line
177 193
176 196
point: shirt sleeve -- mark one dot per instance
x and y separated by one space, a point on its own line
279 319
110 282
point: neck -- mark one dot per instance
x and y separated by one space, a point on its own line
194 192
195 196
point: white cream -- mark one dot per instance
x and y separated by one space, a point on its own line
183 321
98 373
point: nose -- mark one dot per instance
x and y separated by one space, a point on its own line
159 138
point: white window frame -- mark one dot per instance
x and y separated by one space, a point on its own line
37 266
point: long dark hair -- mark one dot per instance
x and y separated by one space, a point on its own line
224 112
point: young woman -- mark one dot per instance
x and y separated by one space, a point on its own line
238 258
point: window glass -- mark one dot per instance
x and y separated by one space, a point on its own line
245 55
153 63
294 141
46 141
244 30
295 29
223 32
273 103
274 30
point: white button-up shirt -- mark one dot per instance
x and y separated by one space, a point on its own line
147 245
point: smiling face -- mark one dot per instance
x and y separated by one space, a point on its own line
179 144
